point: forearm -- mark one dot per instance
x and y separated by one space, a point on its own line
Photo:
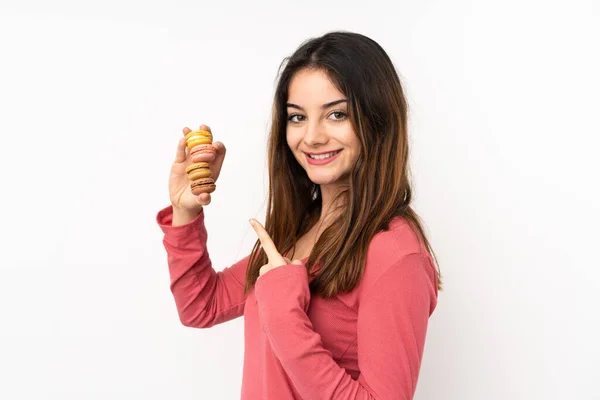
204 297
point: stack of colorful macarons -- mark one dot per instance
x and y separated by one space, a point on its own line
201 152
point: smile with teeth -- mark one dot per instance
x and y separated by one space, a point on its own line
323 156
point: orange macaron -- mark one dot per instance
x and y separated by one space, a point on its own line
197 171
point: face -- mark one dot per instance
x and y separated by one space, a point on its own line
319 131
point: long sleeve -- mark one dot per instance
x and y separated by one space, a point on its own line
391 327
203 296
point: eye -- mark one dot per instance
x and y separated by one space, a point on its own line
340 115
290 118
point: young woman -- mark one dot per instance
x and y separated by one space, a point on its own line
337 291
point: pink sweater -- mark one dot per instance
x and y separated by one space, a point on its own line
365 344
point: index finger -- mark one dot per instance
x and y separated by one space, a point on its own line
266 242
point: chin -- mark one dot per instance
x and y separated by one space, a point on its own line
324 179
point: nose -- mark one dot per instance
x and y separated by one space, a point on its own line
315 134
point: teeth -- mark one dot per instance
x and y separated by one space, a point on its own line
322 156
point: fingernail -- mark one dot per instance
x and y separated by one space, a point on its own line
251 221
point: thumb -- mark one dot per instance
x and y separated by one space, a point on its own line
297 262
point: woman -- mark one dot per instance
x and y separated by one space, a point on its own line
337 291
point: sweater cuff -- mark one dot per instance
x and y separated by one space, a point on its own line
176 235
283 288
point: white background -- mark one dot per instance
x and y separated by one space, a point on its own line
504 100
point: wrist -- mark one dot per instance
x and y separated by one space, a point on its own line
183 216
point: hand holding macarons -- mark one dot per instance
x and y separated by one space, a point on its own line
197 166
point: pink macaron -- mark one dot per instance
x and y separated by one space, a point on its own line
203 153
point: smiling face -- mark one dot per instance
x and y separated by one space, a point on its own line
319 131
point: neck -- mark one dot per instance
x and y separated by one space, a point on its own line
328 193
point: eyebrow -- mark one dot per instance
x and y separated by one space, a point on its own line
324 106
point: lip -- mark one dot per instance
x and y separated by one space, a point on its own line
323 152
312 161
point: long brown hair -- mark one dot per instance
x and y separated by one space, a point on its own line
378 188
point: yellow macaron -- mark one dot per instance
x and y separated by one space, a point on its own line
197 142
199 134
196 138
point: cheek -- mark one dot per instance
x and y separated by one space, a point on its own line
293 140
355 152
353 143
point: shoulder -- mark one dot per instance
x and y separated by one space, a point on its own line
390 245
397 247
